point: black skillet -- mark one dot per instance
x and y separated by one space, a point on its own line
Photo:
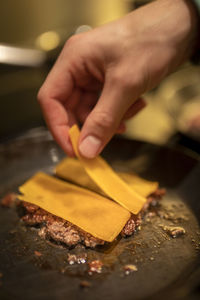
167 267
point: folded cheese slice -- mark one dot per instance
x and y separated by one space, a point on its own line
99 216
71 169
104 176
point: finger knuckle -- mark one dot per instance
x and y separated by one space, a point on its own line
72 41
41 96
116 78
103 121
121 80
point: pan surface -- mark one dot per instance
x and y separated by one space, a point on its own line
166 266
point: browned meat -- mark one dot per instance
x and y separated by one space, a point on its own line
130 268
61 231
129 228
90 241
135 221
35 215
95 266
37 253
31 208
9 200
85 284
77 258
153 199
33 219
173 231
131 225
159 193
71 235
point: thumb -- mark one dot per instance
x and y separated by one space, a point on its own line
104 120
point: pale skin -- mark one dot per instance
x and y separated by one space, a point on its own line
100 75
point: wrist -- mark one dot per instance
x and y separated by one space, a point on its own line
175 24
183 31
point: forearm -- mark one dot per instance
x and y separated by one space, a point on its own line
175 24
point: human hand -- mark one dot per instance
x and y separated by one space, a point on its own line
193 126
100 74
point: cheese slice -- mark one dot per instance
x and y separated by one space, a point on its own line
99 216
71 169
139 185
104 176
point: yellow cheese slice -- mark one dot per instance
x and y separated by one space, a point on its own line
99 216
71 169
140 185
103 175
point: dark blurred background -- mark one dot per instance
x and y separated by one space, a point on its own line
33 32
44 26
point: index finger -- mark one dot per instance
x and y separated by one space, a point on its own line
53 96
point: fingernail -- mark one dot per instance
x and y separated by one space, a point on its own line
90 146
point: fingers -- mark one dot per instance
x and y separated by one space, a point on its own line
122 128
59 121
193 125
105 118
136 107
58 118
86 104
57 98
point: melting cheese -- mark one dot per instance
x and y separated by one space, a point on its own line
99 216
71 169
110 183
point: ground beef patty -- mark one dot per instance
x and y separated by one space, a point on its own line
64 232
